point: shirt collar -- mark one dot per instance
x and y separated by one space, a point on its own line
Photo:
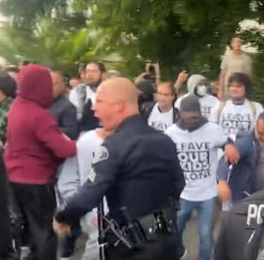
130 121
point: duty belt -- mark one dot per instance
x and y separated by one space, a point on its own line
160 222
150 227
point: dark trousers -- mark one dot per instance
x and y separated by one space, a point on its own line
5 228
166 247
38 203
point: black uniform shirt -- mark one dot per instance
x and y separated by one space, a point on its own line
137 169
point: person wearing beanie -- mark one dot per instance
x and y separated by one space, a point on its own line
199 86
191 116
197 142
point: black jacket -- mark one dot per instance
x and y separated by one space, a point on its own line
88 121
64 113
241 234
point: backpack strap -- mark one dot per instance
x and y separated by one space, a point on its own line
222 106
175 115
146 109
220 110
253 109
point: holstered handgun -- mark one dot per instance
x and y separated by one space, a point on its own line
132 228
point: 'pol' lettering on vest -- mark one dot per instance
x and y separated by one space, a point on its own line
255 212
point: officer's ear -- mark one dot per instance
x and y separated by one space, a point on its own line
120 106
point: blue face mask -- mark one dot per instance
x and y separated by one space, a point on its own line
201 90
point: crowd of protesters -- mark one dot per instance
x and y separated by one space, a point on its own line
43 113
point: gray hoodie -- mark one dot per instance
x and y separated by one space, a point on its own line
207 101
193 82
73 175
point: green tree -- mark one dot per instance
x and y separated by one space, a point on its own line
51 32
27 13
50 44
177 33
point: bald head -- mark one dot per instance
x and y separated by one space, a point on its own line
119 89
116 100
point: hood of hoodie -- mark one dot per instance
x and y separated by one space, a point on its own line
35 84
193 82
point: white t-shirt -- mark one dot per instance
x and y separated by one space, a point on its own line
197 154
158 120
87 146
88 149
236 118
207 103
74 173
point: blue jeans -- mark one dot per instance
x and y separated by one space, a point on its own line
205 217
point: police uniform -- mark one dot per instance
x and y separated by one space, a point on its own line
241 235
137 170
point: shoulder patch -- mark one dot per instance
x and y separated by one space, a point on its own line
101 155
104 154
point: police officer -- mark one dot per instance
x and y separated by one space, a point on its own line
242 231
139 173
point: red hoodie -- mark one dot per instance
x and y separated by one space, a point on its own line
35 145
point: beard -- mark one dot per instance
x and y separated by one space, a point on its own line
94 84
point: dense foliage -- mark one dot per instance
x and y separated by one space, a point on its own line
176 33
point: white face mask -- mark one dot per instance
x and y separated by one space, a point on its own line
201 90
